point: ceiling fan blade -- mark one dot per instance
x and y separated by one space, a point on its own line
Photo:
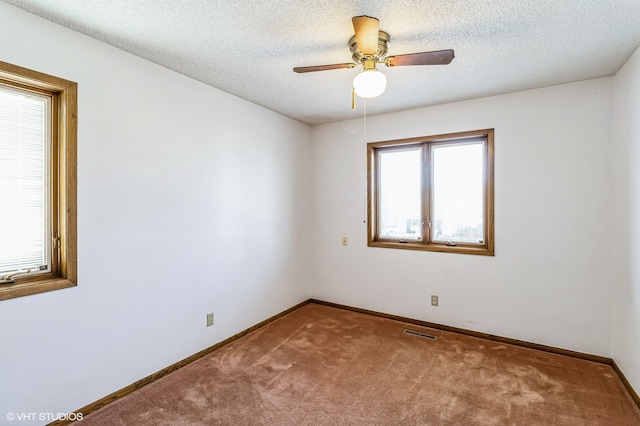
437 57
366 29
324 67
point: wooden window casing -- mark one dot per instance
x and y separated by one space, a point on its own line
62 179
425 240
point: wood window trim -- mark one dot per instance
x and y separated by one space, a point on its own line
373 240
64 95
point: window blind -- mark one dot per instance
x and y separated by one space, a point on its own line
24 176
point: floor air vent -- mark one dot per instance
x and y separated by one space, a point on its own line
417 333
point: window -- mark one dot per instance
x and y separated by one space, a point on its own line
432 193
38 130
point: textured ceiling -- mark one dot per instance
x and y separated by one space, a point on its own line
248 48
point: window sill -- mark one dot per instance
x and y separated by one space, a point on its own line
461 249
26 288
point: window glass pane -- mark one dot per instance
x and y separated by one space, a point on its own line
457 178
23 181
399 195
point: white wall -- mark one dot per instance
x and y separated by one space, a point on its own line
549 281
626 220
190 200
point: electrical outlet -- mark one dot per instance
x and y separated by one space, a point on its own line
210 319
345 241
434 300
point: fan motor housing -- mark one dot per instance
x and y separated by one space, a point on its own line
383 47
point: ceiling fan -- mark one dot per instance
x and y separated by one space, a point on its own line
369 47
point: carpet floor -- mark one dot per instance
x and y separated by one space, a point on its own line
320 365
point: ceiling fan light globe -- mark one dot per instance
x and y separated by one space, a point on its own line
369 84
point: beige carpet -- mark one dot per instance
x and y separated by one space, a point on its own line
326 366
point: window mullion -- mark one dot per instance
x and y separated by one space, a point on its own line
377 185
426 195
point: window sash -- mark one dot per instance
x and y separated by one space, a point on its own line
400 186
25 158
450 216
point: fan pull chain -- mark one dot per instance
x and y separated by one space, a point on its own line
364 137
353 98
364 120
